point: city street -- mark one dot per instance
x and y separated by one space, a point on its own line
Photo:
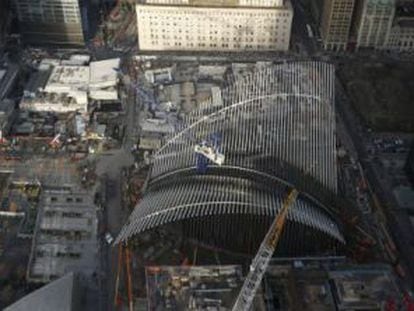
110 168
397 220
132 108
306 45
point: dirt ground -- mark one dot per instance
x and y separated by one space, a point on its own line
382 93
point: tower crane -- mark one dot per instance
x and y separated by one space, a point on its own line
261 260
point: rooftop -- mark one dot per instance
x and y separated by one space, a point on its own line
56 102
66 235
61 295
65 78
160 126
63 88
104 73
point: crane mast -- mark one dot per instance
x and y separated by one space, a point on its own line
261 260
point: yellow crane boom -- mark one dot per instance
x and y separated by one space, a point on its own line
261 260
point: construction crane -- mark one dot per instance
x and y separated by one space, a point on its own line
123 251
208 150
261 260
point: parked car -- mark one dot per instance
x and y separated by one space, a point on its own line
108 238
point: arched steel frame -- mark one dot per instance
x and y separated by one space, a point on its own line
282 112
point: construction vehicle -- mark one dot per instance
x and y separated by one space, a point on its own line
55 142
109 238
208 150
261 260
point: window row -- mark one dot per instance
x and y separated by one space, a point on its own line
215 45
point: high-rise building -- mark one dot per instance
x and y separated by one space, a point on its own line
67 293
336 23
54 22
4 20
401 36
229 25
373 23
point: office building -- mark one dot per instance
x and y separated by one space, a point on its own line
5 19
50 22
373 23
210 26
336 23
401 37
63 294
65 237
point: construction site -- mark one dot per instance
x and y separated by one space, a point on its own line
192 288
246 160
186 156
208 181
178 185
52 136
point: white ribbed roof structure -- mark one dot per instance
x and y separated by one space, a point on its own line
275 125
